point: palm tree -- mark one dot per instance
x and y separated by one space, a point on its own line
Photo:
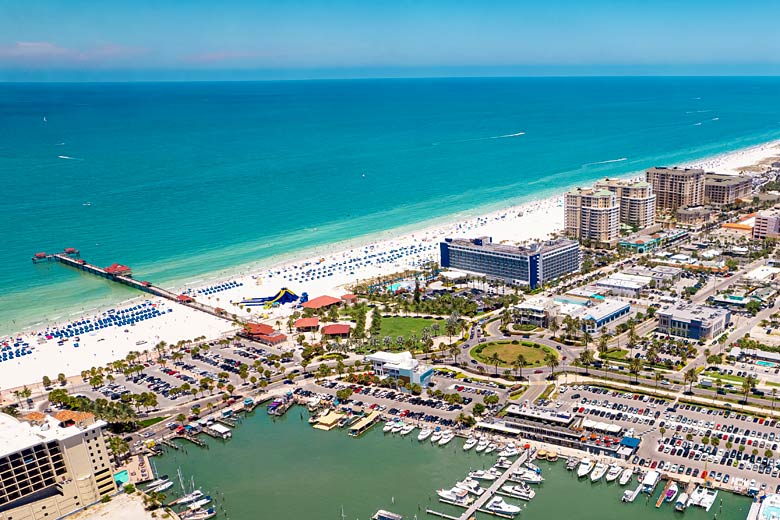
551 360
658 378
690 377
748 384
519 363
586 339
635 366
554 326
495 360
454 352
773 393
586 359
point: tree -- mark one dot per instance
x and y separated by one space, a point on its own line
662 431
554 326
519 363
658 377
479 409
46 382
118 447
495 360
344 394
551 360
586 358
748 384
96 381
323 371
181 418
635 366
490 399
690 377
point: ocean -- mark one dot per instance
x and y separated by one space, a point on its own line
182 181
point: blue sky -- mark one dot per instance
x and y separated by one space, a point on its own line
258 39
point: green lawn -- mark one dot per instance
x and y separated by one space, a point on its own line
395 326
617 354
534 353
145 423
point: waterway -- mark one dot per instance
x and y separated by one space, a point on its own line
283 468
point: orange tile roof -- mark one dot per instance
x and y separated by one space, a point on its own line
320 302
305 323
34 416
71 415
336 328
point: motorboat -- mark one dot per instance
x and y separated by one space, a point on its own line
470 443
584 468
625 477
552 456
407 429
470 485
424 434
614 472
508 452
162 487
483 475
482 444
388 427
455 495
598 471
397 427
199 503
682 502
533 467
572 463
191 497
491 447
500 506
521 491
436 436
201 514
671 493
503 463
159 482
446 437
527 476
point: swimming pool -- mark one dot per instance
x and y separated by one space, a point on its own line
766 364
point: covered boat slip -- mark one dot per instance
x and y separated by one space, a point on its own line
329 421
362 426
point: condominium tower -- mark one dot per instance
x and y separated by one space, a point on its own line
636 201
592 215
676 187
721 190
51 466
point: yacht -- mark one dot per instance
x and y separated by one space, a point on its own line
671 492
388 427
191 497
572 463
470 443
397 427
533 467
446 437
584 468
482 444
499 506
424 434
625 477
407 429
470 485
598 471
201 514
509 451
614 472
162 487
527 476
436 436
202 502
682 502
455 495
159 482
503 463
491 447
482 475
521 491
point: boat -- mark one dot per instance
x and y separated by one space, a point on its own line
598 471
625 477
572 463
491 447
499 506
446 437
521 491
398 426
436 436
315 417
201 514
503 463
160 481
470 485
527 476
533 467
541 454
614 472
388 427
482 475
424 434
455 495
552 456
190 497
162 487
682 502
407 429
482 444
386 515
199 503
470 443
509 451
584 468
671 492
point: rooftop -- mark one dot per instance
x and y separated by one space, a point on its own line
726 180
486 244
692 312
17 435
543 414
320 302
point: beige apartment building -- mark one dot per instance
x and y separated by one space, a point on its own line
722 190
592 215
52 465
676 187
767 225
636 201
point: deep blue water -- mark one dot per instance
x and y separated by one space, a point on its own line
187 179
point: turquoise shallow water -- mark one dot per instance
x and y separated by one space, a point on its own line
188 179
286 469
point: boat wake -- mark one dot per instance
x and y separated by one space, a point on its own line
504 136
716 119
698 111
518 134
606 162
696 124
69 158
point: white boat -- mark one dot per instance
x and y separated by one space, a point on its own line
162 487
446 437
482 475
482 444
159 482
470 485
682 502
201 514
500 506
614 472
503 463
533 467
508 452
521 491
397 427
491 447
388 427
598 471
625 477
407 429
470 443
456 495
527 476
572 463
199 503
671 493
191 497
424 434
436 436
584 468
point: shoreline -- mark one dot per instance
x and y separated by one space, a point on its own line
321 270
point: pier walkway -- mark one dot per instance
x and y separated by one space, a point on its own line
488 494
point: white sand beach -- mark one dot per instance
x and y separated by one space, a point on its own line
330 274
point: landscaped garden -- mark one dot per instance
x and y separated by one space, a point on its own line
534 354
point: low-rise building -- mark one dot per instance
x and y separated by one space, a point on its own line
624 284
693 321
659 273
52 465
595 317
722 190
695 217
402 366
643 243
